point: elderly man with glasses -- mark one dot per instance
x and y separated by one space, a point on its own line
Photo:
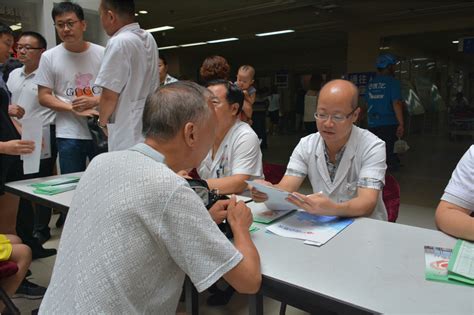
345 164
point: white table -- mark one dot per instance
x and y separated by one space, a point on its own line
24 189
370 267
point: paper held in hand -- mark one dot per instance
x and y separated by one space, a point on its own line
276 197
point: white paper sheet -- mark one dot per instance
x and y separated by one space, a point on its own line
46 148
276 197
32 129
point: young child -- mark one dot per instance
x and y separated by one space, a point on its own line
12 249
245 80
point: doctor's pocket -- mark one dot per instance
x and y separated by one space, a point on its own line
136 117
348 191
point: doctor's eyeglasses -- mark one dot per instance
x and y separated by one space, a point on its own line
338 118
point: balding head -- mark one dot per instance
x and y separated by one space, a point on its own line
336 112
340 91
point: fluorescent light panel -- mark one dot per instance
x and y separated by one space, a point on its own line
193 44
143 12
455 42
222 40
161 28
16 27
167 47
274 33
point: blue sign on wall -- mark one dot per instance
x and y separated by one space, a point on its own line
361 80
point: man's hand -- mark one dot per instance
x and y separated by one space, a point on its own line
184 174
17 147
218 211
314 203
83 103
259 196
16 111
239 215
400 131
86 113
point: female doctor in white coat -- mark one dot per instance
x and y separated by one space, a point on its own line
345 164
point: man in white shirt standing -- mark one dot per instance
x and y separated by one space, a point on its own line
344 163
235 155
65 79
30 47
129 73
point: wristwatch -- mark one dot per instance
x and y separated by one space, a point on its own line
102 126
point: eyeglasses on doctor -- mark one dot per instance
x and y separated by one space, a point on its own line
337 118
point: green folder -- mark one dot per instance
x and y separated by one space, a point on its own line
461 264
57 181
53 190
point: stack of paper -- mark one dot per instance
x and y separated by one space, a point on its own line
446 265
56 186
314 229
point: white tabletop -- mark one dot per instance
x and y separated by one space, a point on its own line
375 265
24 189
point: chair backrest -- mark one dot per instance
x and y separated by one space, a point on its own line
273 172
391 197
7 269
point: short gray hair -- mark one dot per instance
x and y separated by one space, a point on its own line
171 106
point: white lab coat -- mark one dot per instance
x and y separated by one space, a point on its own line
130 68
364 157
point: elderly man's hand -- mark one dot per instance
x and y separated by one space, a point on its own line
314 203
218 211
257 195
16 111
239 215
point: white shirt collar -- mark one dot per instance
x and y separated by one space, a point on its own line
127 28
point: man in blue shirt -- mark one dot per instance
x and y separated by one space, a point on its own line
385 106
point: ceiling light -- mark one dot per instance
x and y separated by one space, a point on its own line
143 12
274 33
136 14
455 42
168 47
193 44
222 40
16 27
161 28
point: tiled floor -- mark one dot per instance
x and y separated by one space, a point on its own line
426 171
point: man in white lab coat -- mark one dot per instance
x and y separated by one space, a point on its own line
345 164
235 155
129 73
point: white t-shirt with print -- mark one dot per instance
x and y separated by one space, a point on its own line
239 153
134 229
69 75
